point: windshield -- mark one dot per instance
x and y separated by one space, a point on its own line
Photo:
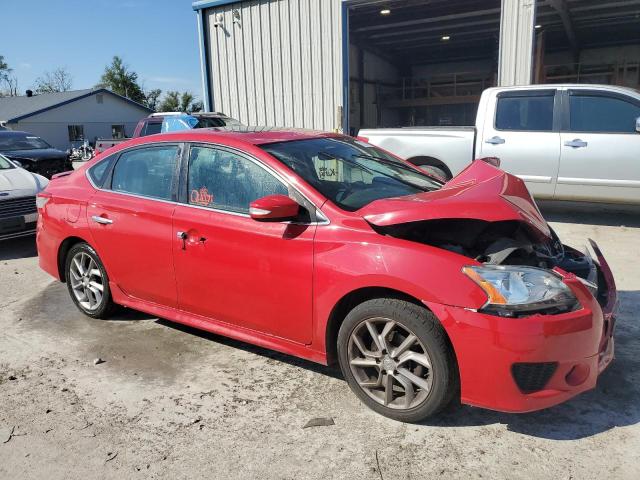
22 142
5 164
177 123
350 173
212 122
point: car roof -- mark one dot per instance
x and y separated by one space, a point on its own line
250 135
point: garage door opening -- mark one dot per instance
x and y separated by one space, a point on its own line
414 63
425 63
588 42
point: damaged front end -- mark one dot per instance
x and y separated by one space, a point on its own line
505 243
508 242
489 216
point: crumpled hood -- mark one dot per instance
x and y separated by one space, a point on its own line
480 192
18 182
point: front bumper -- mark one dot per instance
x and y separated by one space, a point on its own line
579 343
18 226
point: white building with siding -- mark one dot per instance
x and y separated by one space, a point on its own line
348 64
64 119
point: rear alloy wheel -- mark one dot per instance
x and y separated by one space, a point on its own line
88 282
395 357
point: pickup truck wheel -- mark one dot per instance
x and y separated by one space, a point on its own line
396 359
88 282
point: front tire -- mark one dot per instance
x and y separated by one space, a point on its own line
396 358
87 281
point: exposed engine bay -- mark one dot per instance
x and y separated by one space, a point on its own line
497 243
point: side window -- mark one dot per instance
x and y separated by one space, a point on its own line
146 171
98 173
602 114
525 113
151 128
226 181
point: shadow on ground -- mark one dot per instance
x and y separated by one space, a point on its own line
24 247
615 402
591 213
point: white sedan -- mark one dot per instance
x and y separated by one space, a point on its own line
18 190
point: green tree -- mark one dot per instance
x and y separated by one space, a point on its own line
8 81
175 101
58 80
4 69
170 102
185 101
120 79
152 98
197 106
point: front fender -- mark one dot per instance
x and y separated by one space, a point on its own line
368 259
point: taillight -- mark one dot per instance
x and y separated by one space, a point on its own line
41 199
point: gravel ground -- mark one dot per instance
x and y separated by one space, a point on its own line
172 402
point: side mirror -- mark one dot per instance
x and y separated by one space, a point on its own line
274 208
17 163
638 124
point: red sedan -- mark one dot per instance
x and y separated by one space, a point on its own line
324 247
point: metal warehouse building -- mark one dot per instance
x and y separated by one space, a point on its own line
350 64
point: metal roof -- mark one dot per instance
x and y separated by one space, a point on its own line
13 109
202 4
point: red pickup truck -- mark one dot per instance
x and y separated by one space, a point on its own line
170 122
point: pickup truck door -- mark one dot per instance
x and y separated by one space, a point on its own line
600 147
521 128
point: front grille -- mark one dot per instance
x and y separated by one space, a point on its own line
16 207
533 377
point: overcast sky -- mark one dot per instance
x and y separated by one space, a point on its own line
157 38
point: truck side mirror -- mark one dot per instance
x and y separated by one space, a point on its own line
638 124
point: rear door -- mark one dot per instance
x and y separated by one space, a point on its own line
522 130
600 157
130 218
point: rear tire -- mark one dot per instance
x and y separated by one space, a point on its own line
409 373
87 281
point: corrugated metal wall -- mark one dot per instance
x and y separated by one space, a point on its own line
277 62
517 20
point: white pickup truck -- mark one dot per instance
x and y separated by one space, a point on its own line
568 142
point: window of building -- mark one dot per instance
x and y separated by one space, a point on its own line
76 133
146 171
117 131
99 98
525 113
602 114
223 180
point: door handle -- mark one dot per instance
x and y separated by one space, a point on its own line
183 236
102 220
575 143
495 140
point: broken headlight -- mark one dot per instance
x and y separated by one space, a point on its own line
516 291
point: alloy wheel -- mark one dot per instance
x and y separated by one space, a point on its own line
390 363
86 281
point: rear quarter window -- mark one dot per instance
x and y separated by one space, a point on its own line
100 171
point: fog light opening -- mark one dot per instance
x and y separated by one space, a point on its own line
577 375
